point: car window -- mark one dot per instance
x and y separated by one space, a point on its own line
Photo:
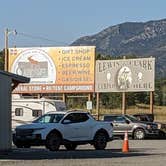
120 119
43 119
57 118
109 118
114 118
49 118
77 117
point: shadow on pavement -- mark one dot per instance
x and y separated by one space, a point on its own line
40 154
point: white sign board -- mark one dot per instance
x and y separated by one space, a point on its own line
127 75
89 105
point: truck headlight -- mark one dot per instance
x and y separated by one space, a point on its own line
149 127
159 126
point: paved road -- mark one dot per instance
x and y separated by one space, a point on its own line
142 153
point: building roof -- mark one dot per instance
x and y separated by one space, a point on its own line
15 77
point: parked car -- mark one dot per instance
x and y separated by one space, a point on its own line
69 128
150 118
145 117
136 129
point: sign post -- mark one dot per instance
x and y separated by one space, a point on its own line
151 102
123 103
97 106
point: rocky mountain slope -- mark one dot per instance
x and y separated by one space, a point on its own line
132 38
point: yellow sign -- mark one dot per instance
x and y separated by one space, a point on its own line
54 69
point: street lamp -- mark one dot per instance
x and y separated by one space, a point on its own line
7 33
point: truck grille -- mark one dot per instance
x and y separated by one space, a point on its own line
154 126
24 132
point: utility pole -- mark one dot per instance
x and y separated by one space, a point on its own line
6 50
7 32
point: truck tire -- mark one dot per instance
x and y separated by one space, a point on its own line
70 146
53 141
139 134
161 134
100 141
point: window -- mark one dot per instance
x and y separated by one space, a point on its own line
77 117
57 118
44 119
49 118
36 113
113 118
19 111
109 118
120 119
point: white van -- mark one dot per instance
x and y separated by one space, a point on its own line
25 110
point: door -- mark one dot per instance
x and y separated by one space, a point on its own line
76 128
121 125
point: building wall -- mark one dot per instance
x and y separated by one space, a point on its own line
5 113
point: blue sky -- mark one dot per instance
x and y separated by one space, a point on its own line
64 21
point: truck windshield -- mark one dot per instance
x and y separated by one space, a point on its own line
49 118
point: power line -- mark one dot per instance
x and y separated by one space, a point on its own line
39 37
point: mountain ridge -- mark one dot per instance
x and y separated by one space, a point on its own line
142 39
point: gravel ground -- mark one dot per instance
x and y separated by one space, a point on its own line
141 153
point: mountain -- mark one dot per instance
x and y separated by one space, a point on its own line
142 39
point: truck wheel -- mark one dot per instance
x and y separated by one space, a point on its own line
70 146
53 142
161 134
100 141
139 134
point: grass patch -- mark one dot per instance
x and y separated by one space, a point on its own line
159 111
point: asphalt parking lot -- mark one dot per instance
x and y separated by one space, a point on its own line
141 152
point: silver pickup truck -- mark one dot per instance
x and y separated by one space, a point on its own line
135 128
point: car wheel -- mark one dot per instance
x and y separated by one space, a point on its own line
100 141
162 134
139 134
70 146
53 142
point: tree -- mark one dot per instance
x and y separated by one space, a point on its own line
1 60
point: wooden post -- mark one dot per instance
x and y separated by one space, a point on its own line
97 105
38 96
64 97
89 97
151 102
124 98
123 103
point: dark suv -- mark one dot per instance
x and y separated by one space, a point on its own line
135 128
144 117
150 118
